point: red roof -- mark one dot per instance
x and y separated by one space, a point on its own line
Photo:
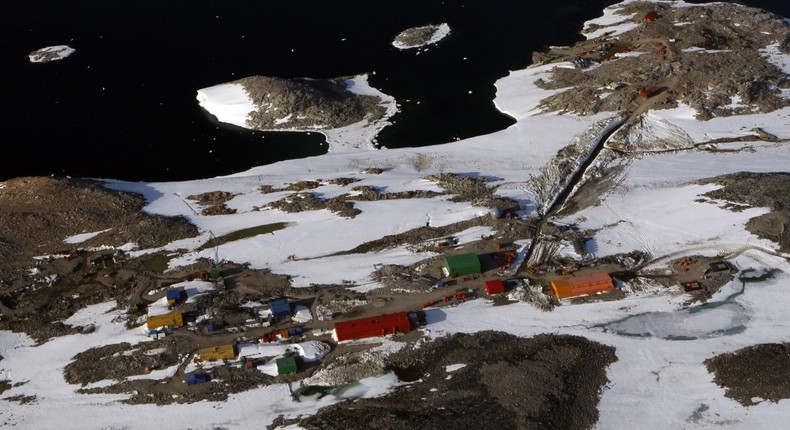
651 16
495 286
374 326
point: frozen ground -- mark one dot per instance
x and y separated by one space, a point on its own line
658 382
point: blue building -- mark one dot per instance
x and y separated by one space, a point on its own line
173 296
280 308
198 378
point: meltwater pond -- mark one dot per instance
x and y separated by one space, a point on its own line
712 319
699 322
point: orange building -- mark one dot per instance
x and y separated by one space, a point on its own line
582 285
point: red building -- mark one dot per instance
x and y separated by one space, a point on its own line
649 92
495 286
370 327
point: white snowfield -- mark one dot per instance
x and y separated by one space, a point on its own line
659 380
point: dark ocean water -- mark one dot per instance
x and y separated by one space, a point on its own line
124 105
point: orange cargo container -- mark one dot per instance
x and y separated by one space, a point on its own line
582 285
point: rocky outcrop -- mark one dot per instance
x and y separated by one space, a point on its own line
416 37
50 53
347 110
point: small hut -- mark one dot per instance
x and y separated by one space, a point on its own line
494 286
460 265
286 365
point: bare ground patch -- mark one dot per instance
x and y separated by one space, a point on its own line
753 374
38 213
213 202
745 189
507 382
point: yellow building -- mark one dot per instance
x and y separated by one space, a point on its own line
173 319
222 352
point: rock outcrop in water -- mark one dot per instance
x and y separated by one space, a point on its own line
50 53
347 110
416 37
308 103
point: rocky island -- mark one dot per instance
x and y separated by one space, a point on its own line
347 110
417 37
50 53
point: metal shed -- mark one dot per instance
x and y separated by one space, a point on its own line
280 307
198 378
222 352
173 319
173 296
286 365
495 286
464 264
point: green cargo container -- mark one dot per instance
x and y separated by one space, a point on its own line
286 365
460 265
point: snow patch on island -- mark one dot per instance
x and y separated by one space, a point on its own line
228 102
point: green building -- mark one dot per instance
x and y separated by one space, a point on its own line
464 264
286 365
